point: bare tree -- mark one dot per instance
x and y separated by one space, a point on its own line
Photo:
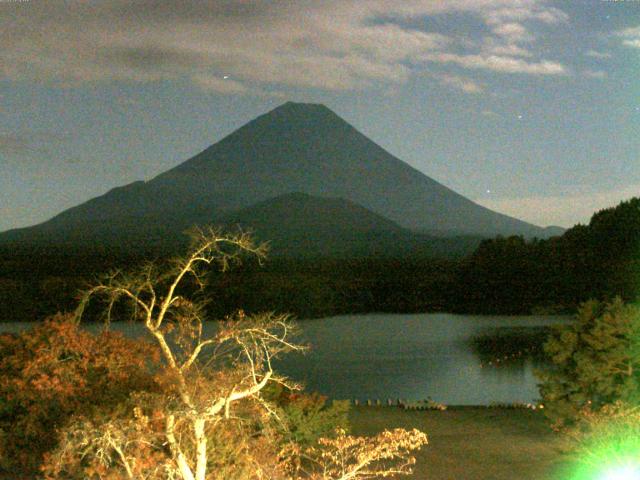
244 346
207 380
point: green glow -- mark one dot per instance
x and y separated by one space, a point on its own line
625 472
609 457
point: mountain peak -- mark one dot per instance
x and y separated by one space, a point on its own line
296 147
302 105
299 109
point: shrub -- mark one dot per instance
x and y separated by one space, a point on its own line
595 361
309 416
56 370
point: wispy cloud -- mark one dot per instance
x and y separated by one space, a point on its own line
513 32
335 45
634 42
463 84
499 63
493 47
630 37
520 11
595 74
597 54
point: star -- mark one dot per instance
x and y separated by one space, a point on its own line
519 117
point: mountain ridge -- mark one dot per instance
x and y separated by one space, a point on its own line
293 148
334 227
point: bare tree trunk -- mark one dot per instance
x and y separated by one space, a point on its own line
201 448
176 452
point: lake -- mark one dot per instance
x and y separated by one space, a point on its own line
412 357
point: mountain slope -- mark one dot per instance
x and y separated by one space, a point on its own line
300 225
308 148
293 148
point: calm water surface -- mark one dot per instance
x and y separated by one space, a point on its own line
413 357
406 356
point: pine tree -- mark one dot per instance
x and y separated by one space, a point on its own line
595 361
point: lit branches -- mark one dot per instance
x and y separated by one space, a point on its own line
207 374
209 398
346 457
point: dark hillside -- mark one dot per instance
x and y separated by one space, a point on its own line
298 225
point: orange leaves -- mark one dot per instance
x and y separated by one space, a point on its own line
55 370
194 406
384 455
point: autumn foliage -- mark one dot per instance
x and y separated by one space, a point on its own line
56 370
183 402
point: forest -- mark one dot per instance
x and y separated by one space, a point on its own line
505 275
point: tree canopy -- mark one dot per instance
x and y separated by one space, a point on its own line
201 403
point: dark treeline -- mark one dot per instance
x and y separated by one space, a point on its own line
36 284
504 275
323 287
600 260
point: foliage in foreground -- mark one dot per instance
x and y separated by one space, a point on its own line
306 417
596 362
56 370
203 413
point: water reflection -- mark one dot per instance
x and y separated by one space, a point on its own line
418 356
506 345
450 358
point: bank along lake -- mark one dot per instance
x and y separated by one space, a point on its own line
410 357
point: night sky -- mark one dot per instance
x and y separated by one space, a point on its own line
529 107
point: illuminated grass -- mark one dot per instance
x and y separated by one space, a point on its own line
474 443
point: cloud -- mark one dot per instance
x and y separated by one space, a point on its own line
514 32
566 210
521 11
595 74
630 36
463 84
334 44
635 43
499 63
596 54
492 47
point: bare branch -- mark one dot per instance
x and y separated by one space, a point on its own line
206 377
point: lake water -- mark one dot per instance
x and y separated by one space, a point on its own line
410 357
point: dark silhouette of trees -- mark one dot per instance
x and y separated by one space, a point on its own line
600 260
504 275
